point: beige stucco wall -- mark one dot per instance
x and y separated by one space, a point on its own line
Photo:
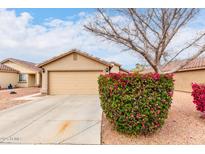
67 63
22 84
8 78
115 69
38 79
33 78
183 80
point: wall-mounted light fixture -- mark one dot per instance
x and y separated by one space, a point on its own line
43 70
107 70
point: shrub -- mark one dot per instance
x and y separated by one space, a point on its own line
134 103
198 93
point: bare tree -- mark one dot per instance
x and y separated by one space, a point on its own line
149 33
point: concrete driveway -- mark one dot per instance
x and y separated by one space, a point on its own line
53 120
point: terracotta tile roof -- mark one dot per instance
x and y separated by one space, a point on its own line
195 64
198 63
75 51
27 64
4 68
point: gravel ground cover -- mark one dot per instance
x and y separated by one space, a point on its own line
6 99
183 126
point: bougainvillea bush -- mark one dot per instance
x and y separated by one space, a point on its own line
198 93
134 103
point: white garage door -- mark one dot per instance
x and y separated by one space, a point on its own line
71 83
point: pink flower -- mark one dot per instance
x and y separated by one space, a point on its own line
170 93
198 94
156 76
143 126
138 115
131 115
169 76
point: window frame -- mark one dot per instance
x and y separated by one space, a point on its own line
22 77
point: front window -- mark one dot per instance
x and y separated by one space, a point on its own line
22 78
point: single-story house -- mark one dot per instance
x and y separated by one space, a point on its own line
75 72
193 72
117 68
29 75
8 76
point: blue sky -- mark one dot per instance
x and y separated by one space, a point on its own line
38 34
60 13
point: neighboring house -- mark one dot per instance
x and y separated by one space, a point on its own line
116 68
75 72
194 72
122 70
8 76
29 73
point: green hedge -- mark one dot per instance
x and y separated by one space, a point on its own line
134 103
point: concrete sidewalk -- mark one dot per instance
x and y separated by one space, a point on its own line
29 97
53 120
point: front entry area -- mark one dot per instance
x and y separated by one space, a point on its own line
73 82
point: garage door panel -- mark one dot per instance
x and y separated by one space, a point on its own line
73 83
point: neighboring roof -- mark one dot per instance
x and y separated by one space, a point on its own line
119 65
112 62
195 64
124 70
27 64
4 68
78 52
198 63
147 70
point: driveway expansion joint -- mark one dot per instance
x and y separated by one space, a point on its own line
33 121
82 131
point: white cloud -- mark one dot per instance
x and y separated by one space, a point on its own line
82 14
20 38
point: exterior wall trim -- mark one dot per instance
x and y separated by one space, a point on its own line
70 52
8 72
